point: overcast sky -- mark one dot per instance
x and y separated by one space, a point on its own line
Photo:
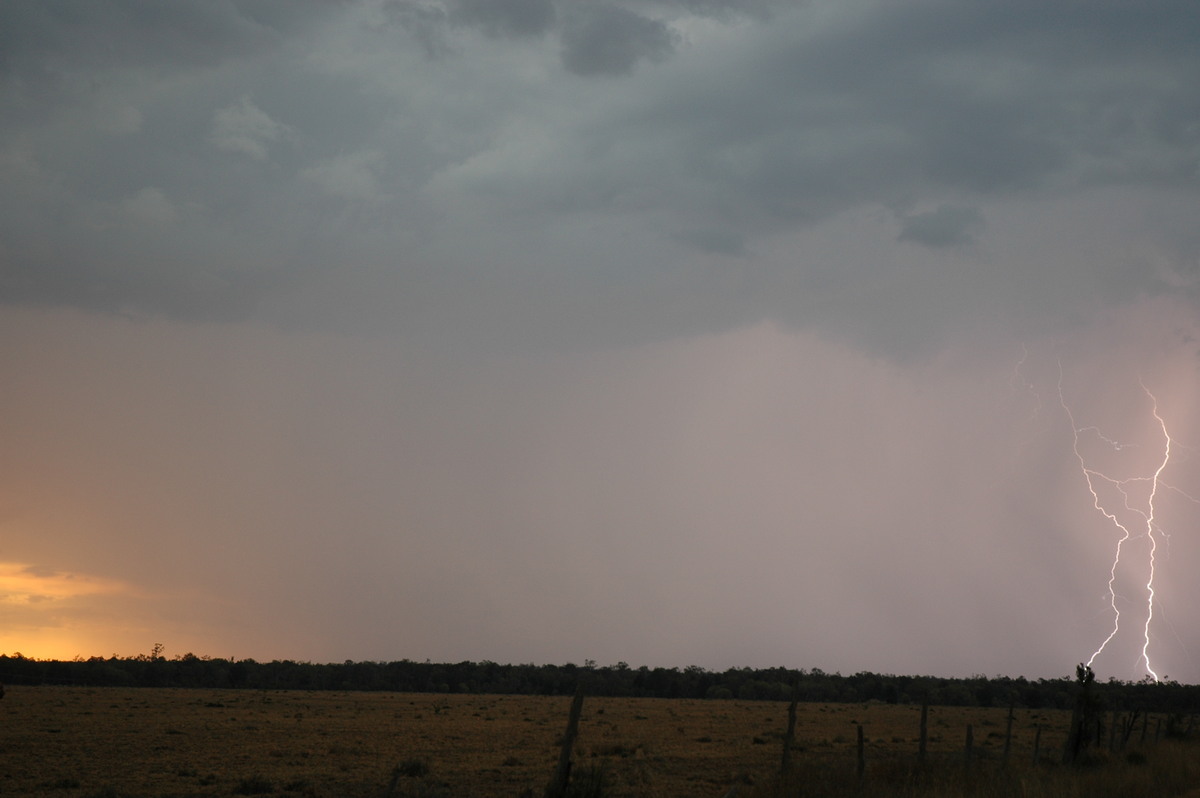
713 332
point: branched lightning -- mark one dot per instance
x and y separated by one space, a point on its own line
1151 526
1146 513
1019 376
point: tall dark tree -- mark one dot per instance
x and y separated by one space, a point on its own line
1085 717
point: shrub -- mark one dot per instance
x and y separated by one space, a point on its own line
413 768
254 785
104 792
589 782
65 783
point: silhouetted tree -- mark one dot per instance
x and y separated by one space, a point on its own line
1085 718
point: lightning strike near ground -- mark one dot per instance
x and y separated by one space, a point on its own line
1139 509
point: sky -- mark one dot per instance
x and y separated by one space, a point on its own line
854 335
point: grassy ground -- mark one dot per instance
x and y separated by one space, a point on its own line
108 742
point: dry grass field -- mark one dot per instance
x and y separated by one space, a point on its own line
81 742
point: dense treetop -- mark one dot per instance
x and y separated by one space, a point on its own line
189 670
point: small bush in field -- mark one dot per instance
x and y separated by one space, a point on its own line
254 785
413 768
105 792
65 783
589 782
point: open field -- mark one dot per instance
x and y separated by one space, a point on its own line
79 742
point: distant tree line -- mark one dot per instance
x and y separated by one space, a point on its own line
756 684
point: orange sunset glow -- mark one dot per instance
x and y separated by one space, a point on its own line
52 614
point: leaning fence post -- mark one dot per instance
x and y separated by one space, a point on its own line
785 764
1037 742
562 774
1008 734
924 731
862 755
391 788
967 752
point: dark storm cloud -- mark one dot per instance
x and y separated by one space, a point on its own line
604 39
425 23
932 97
427 20
107 33
723 242
213 159
505 17
722 9
946 225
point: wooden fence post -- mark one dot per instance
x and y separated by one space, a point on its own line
562 774
969 747
924 732
391 788
785 764
1037 742
862 755
1008 734
1128 724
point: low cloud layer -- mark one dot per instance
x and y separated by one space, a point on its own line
222 162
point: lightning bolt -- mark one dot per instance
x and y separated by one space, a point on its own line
1018 376
1146 513
1151 526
